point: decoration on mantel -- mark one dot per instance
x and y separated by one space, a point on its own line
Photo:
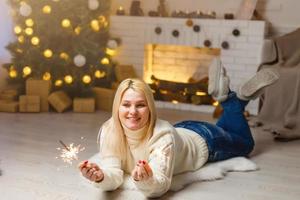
135 9
189 23
207 43
158 30
120 11
175 33
236 32
161 9
225 45
196 28
228 16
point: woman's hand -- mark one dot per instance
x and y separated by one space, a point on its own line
142 171
91 171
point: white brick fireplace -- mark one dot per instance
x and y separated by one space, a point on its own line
241 57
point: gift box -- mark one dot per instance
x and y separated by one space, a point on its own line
29 103
84 105
9 95
9 106
104 98
39 88
123 72
60 101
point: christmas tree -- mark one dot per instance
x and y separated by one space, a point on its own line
64 41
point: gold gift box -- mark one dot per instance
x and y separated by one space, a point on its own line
9 106
60 101
104 98
41 88
29 103
84 105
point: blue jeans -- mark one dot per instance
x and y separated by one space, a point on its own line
230 137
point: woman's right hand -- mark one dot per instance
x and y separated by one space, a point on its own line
91 171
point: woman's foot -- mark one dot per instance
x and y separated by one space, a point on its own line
218 83
253 88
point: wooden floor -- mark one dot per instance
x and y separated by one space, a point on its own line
29 169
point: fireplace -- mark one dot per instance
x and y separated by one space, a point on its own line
173 50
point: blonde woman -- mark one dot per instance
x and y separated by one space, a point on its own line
136 142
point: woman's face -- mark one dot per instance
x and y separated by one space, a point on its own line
133 110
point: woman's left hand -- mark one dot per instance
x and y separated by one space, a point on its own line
142 171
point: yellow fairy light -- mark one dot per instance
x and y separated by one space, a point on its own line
99 74
95 25
68 79
86 79
35 40
47 9
216 103
18 29
46 76
29 31
21 39
77 30
199 93
102 19
110 52
105 24
29 22
105 61
66 23
64 56
58 83
175 102
19 50
48 53
13 73
26 70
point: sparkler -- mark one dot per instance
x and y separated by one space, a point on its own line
70 153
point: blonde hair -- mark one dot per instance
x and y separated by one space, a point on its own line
114 143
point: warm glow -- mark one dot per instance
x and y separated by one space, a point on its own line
13 73
163 91
102 19
95 25
105 61
174 102
110 52
99 74
216 103
77 30
21 39
35 40
64 56
18 29
29 31
68 79
48 53
58 83
199 93
26 70
29 22
86 79
47 76
47 9
66 23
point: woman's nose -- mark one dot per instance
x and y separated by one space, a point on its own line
132 109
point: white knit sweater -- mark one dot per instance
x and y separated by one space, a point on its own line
172 151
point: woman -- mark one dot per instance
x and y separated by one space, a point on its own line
136 142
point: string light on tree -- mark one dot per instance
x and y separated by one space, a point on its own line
65 23
105 61
12 72
26 70
68 79
95 25
29 22
17 30
47 9
29 31
64 56
35 40
77 30
79 60
48 53
99 74
58 83
46 76
110 52
86 79
21 39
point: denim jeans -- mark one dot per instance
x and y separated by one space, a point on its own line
230 137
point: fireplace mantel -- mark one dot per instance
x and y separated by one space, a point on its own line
241 59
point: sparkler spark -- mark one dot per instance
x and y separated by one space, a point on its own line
70 153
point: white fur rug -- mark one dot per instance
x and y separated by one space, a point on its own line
209 172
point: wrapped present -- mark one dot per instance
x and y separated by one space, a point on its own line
9 106
124 71
29 103
84 105
60 101
40 88
104 98
9 94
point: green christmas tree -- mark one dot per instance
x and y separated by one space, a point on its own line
64 41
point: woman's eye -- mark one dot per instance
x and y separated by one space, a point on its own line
140 105
126 105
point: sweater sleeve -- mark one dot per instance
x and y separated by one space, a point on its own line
161 161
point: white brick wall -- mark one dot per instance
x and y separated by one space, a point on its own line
241 59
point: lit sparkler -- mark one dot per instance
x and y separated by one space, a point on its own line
70 153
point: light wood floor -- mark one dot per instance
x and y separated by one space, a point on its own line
29 169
